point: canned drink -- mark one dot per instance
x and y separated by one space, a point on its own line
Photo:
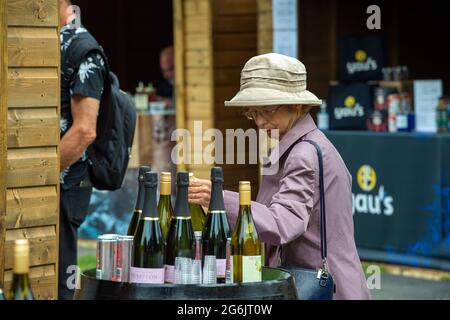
124 258
106 257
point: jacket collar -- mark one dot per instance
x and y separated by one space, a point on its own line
301 128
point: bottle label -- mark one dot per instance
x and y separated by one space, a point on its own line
221 265
170 274
147 275
251 269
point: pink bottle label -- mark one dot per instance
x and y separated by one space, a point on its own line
170 274
147 275
221 267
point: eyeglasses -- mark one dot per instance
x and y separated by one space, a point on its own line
253 114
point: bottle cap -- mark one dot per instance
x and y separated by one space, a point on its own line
217 174
183 179
166 177
151 179
142 171
244 186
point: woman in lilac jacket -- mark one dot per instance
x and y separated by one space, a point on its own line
286 212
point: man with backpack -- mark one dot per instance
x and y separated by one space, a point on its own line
82 85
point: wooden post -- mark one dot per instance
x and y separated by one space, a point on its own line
178 30
3 139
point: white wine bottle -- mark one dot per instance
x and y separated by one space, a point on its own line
21 288
165 210
180 239
139 201
149 245
217 229
245 243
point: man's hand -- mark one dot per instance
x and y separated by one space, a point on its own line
82 132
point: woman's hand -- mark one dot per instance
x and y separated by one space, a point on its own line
199 191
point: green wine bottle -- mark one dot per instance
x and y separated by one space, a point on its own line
139 201
149 245
245 244
216 230
20 288
197 213
180 239
165 210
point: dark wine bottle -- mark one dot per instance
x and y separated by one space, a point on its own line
217 229
180 239
149 245
139 201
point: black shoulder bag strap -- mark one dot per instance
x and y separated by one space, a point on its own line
323 228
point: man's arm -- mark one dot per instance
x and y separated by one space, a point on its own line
82 132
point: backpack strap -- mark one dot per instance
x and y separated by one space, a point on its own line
80 47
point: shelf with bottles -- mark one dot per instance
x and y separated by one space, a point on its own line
384 106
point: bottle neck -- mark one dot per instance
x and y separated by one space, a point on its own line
165 200
21 264
181 204
244 198
141 197
165 188
216 203
150 206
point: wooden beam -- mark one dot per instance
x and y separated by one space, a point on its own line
3 122
179 7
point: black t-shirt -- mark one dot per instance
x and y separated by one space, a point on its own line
88 82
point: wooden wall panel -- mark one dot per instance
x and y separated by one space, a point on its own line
36 47
33 127
43 246
33 87
43 281
3 128
31 207
31 131
32 167
42 13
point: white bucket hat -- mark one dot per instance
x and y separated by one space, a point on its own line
273 79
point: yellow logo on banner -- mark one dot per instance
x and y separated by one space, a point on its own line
350 102
367 178
360 55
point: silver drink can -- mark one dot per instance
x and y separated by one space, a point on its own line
124 258
106 257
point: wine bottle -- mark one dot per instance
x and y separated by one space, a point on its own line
216 230
245 243
180 239
20 288
139 201
197 213
165 210
149 246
